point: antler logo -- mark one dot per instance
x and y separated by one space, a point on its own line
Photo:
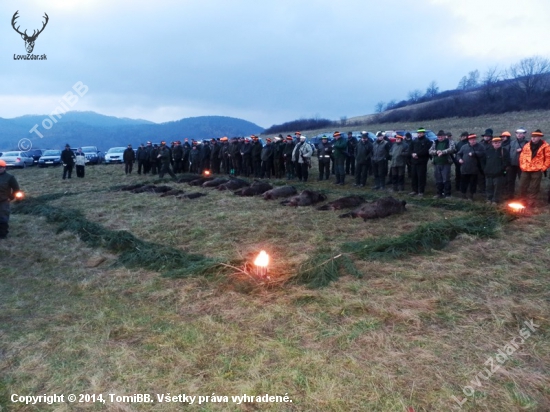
29 40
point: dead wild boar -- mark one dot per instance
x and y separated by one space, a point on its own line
305 198
194 195
380 208
233 184
283 191
343 203
199 181
216 182
175 192
256 188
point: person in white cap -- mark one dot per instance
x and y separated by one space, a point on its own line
302 153
513 172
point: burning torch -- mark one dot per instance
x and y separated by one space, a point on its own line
261 262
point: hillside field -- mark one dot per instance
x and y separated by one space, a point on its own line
108 292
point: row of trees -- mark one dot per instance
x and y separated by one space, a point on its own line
523 86
302 124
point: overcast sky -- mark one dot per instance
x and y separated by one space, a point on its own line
266 61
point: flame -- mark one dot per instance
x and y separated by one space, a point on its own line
516 207
207 172
262 259
19 195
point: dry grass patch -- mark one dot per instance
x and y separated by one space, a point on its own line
410 332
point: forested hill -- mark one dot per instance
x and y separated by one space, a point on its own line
93 129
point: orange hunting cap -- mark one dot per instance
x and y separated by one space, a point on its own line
537 133
336 134
472 136
507 134
223 139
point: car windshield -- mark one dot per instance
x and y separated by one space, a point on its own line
52 153
89 149
6 154
116 150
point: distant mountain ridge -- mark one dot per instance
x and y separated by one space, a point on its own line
94 129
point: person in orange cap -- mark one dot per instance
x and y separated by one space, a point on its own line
495 162
470 157
287 155
224 155
533 161
8 188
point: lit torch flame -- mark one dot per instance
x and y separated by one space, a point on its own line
207 172
261 262
19 195
262 259
516 207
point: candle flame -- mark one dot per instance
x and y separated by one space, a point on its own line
262 259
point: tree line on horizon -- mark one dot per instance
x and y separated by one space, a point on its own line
523 86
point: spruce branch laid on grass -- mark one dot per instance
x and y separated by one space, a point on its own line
133 252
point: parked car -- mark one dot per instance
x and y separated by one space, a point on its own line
35 154
50 158
431 135
414 135
114 155
17 159
93 156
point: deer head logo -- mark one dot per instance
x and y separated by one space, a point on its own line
29 40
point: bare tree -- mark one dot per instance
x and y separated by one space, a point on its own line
415 95
432 89
391 104
469 82
463 83
343 120
490 82
379 108
531 75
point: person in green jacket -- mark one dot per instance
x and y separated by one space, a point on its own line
339 151
165 157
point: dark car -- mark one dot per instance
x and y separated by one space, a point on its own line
36 154
50 158
93 156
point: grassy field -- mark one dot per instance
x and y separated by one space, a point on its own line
109 292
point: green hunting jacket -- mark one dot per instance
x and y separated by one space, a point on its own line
340 148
